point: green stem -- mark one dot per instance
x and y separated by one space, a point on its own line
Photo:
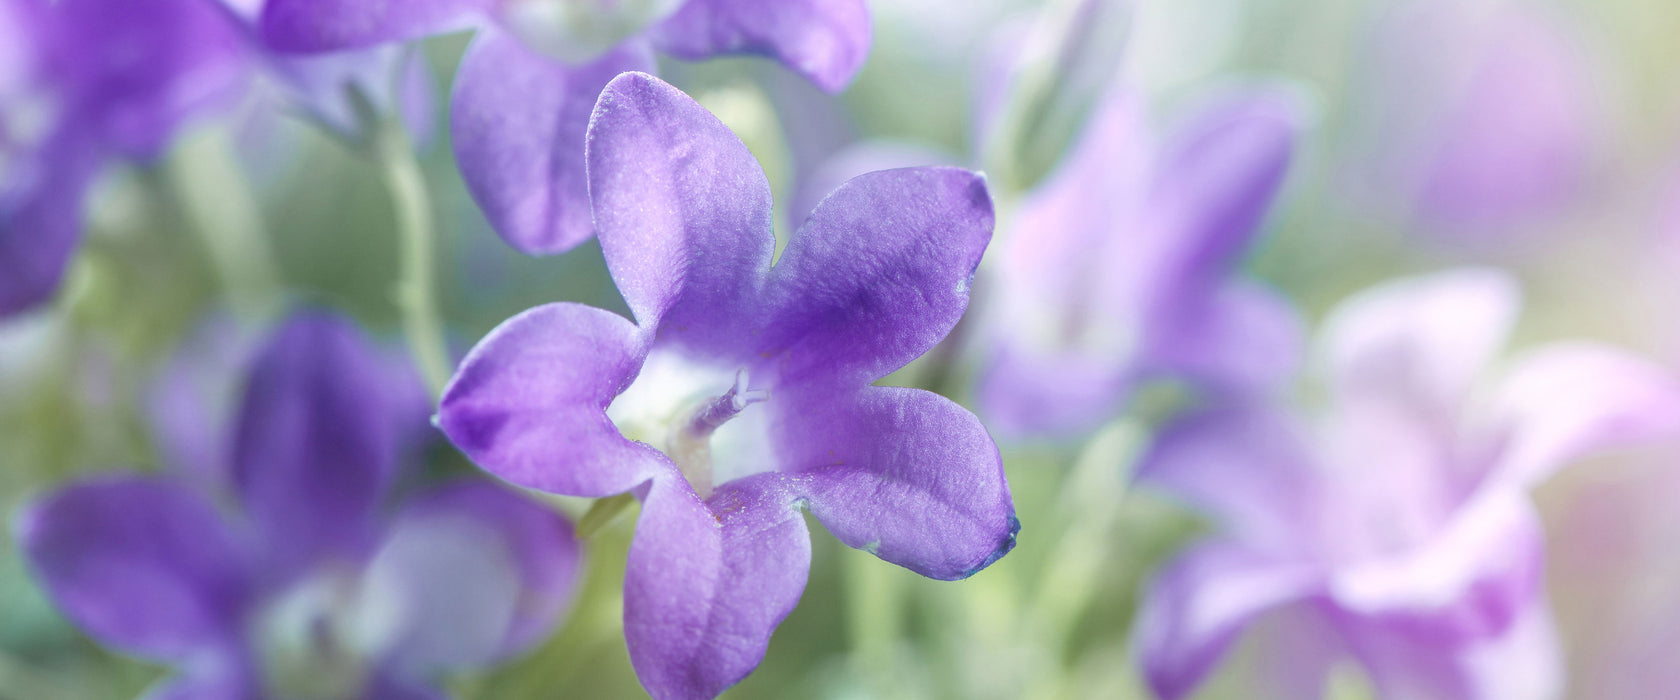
1090 501
415 293
875 607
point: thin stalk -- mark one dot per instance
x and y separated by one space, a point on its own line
416 291
1071 576
875 600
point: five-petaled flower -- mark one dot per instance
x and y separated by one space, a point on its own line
1119 268
313 589
1396 529
526 85
742 394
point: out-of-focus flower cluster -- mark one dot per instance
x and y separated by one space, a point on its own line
511 348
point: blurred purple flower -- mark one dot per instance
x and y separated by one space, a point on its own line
1396 529
1120 267
526 86
1474 118
87 82
743 393
312 589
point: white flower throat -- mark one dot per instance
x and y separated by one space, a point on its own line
706 418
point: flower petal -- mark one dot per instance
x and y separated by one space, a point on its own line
190 405
229 681
41 219
1521 663
314 26
528 404
1245 338
498 529
1198 605
878 275
1473 579
1566 400
1213 186
1248 467
706 585
1029 391
1419 342
316 440
824 40
518 121
146 566
682 210
1067 321
904 474
131 73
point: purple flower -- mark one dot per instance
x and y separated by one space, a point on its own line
312 587
743 393
1395 528
83 81
1474 121
525 88
87 82
1119 268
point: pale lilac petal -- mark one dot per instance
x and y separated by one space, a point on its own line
824 40
1244 338
518 121
1198 605
1031 391
1068 318
1564 401
1078 232
532 548
1522 662
1473 579
1249 468
682 210
316 441
1294 651
314 26
904 474
528 404
878 275
145 566
1420 341
1213 186
706 585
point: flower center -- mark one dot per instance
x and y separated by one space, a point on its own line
319 639
690 443
701 416
577 31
